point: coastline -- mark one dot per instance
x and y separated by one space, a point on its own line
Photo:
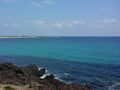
10 37
28 78
22 37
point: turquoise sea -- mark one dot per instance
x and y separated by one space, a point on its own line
94 61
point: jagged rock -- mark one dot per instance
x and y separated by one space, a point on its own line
30 75
50 77
33 70
13 74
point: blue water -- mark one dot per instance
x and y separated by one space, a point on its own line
91 60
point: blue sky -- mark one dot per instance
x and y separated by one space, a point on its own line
60 17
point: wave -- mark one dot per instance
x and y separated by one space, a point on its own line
47 73
115 86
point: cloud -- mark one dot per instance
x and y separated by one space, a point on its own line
7 1
36 4
69 23
59 25
92 24
109 21
49 1
75 22
10 18
103 23
78 23
38 22
42 2
98 0
11 25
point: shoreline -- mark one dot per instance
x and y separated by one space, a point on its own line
28 78
2 37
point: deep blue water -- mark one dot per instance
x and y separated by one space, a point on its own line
91 60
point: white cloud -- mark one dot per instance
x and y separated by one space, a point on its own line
69 23
10 18
59 25
15 25
38 22
11 25
49 1
109 21
6 25
78 23
98 0
75 22
36 4
39 3
7 1
103 23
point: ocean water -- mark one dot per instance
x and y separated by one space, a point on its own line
94 61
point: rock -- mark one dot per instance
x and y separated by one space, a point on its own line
54 84
13 74
33 70
30 75
50 77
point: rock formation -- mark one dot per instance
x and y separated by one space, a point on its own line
30 75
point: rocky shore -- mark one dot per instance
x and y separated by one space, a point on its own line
28 78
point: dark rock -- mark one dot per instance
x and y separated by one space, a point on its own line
12 74
33 70
50 77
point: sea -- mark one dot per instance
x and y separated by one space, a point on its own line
91 61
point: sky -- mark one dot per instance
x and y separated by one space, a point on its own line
60 17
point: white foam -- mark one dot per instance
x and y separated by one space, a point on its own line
43 68
46 73
39 69
43 77
113 87
57 77
67 74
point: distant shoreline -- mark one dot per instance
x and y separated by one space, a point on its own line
23 36
3 37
